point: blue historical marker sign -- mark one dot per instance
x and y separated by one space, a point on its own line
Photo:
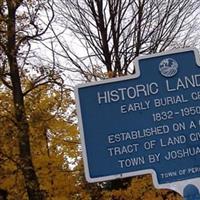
145 123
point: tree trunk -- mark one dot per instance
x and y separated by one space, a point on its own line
31 181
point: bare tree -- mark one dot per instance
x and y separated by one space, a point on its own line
19 24
113 32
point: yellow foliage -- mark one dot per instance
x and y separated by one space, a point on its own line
54 146
54 139
141 188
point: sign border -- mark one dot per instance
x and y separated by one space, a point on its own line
176 186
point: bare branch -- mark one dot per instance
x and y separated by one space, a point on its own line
118 31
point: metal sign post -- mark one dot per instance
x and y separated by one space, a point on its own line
145 123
